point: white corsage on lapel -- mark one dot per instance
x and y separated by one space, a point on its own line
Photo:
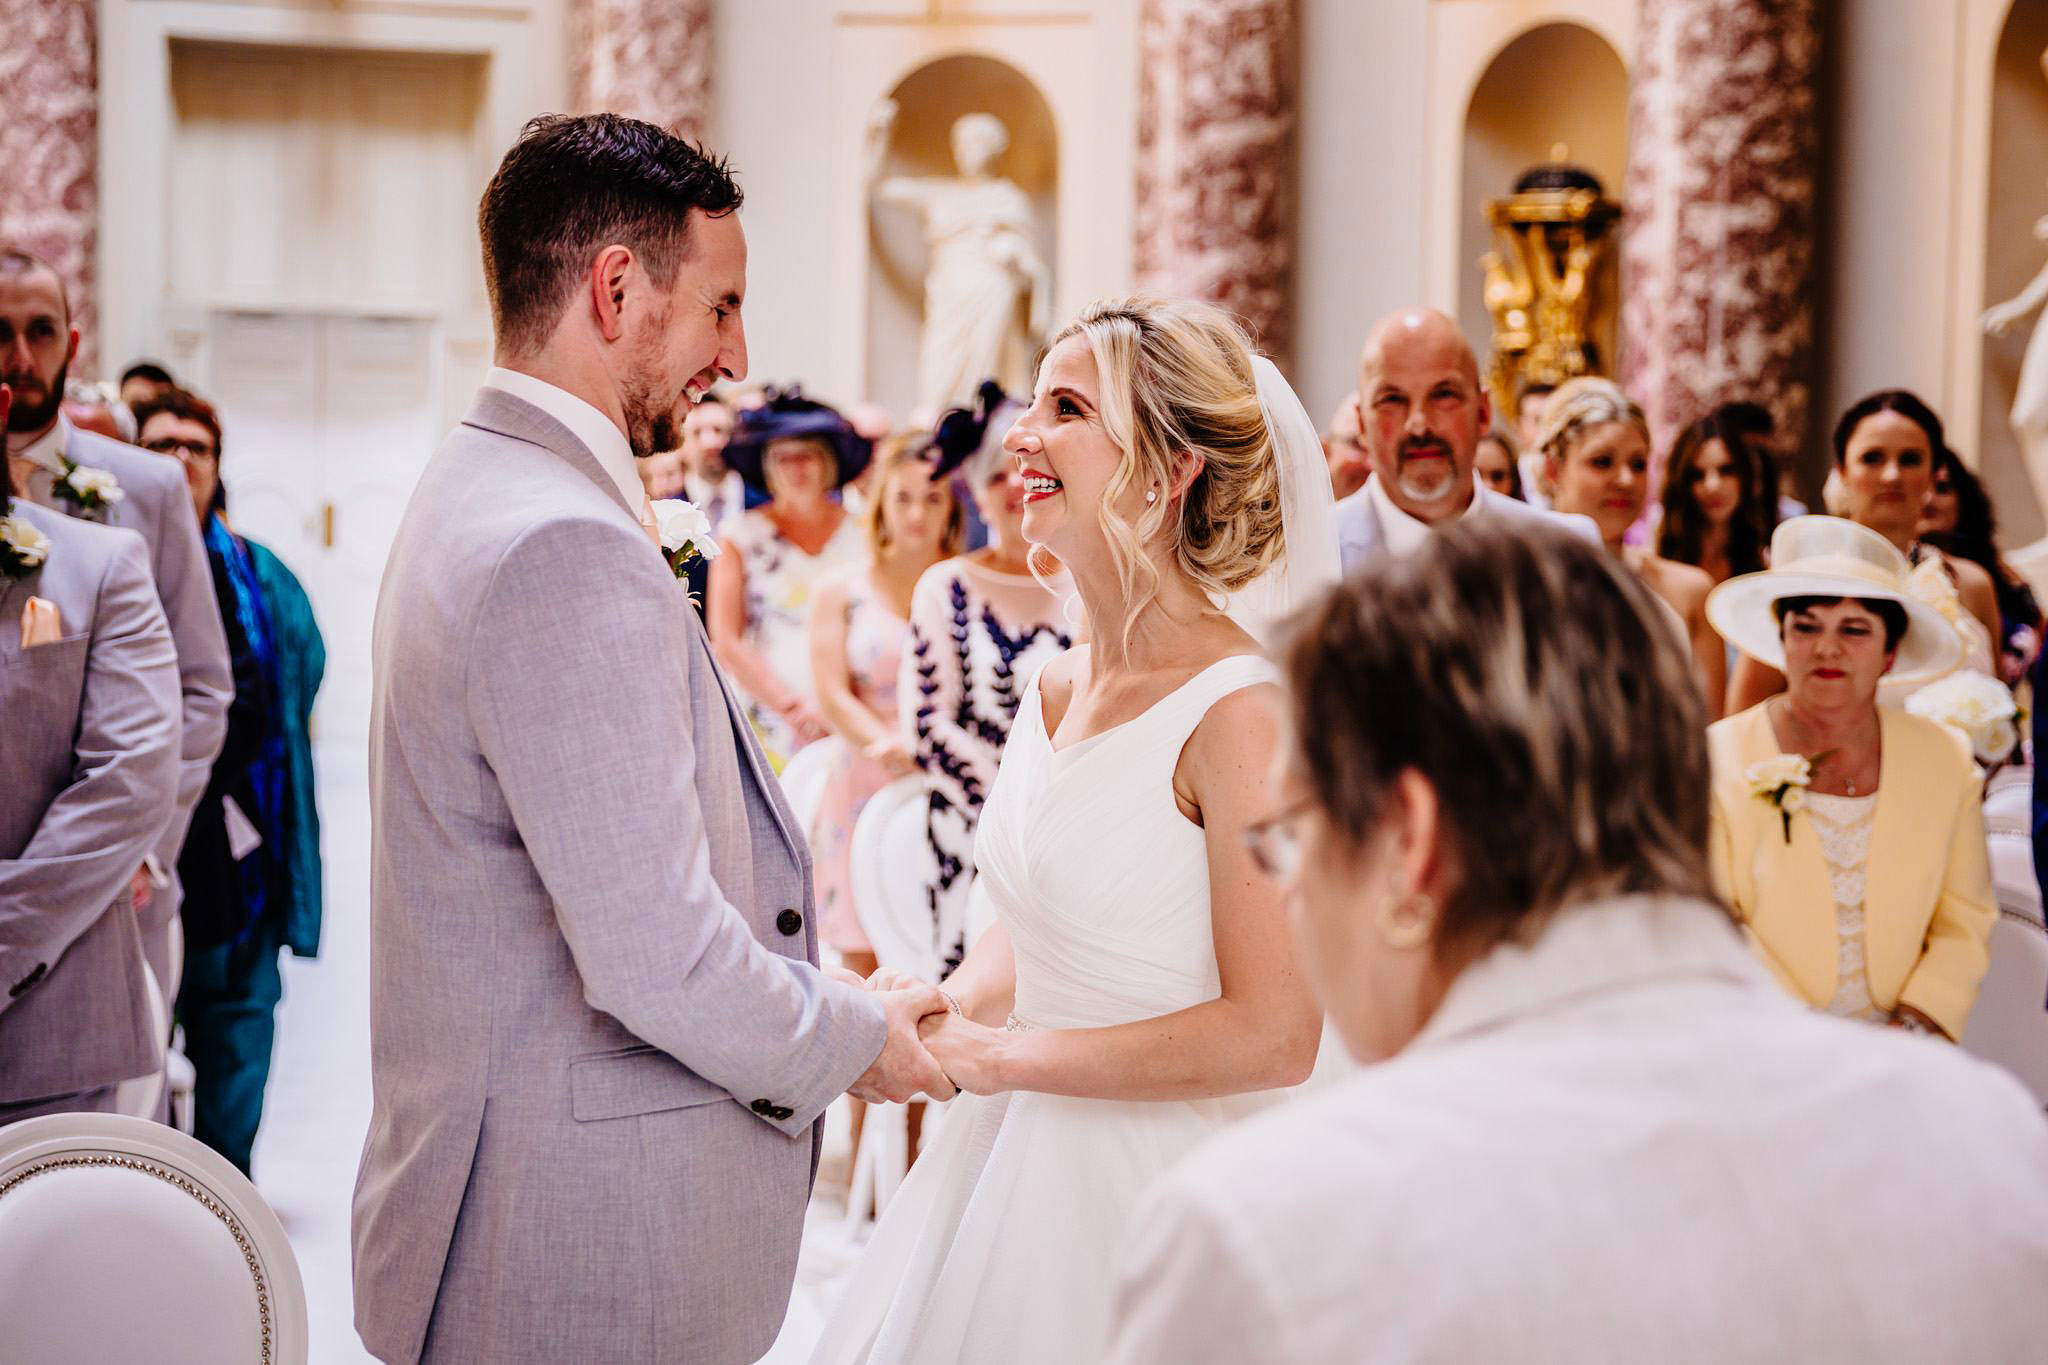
1781 782
89 491
22 548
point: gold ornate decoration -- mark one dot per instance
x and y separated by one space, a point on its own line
178 1180
1547 284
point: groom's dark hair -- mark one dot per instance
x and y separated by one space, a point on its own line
573 185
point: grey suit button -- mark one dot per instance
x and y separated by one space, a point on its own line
764 1108
790 923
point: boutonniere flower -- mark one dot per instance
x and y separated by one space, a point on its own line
1782 782
685 534
88 489
22 548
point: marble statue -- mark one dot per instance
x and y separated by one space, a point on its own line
987 290
2029 415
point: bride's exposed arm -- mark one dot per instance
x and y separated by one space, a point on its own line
1263 1029
986 982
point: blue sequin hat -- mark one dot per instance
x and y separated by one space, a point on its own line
788 414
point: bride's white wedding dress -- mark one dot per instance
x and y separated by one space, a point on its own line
1001 1244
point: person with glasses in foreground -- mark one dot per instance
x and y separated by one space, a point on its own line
1589 1125
251 861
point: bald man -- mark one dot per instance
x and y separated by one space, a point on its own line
1422 411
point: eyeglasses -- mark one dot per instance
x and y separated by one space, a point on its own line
184 450
1275 842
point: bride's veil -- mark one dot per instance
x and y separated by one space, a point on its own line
1309 562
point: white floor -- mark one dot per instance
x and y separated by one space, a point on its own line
318 1104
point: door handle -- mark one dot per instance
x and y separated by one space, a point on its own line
326 525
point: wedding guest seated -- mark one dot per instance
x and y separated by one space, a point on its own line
1589 1127
1344 448
661 474
1755 425
90 722
1958 520
707 481
143 380
758 598
858 630
1496 464
251 860
1530 406
1596 453
1885 448
980 625
1719 501
1423 412
1848 837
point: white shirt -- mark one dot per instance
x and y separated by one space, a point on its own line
1620 1142
1399 532
585 423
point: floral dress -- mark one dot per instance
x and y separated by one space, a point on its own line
976 637
875 636
778 605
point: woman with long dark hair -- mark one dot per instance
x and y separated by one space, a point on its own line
1719 506
1958 520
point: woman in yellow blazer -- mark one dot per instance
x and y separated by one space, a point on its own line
1849 837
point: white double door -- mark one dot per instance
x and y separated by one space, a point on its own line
328 421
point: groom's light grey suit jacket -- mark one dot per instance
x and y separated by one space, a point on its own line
89 734
600 1049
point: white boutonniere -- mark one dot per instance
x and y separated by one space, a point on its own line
88 489
22 548
685 534
1781 781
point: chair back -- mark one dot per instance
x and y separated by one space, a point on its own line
887 865
2009 1023
123 1240
807 774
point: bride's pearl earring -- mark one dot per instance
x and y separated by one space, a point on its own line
1151 496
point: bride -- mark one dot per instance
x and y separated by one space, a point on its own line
1138 988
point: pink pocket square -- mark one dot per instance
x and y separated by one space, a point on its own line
40 623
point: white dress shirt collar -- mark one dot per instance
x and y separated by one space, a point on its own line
1400 533
1589 949
47 450
597 431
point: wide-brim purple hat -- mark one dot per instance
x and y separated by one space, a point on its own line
788 415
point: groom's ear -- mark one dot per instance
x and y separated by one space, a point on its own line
608 275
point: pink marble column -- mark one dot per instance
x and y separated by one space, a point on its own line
1215 209
1717 260
49 147
650 59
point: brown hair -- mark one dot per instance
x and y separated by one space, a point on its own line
1536 684
909 450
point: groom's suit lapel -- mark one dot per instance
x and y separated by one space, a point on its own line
506 415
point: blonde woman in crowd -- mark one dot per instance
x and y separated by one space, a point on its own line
1596 453
1138 989
1849 837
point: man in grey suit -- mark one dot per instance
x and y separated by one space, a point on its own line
37 345
1422 412
89 752
601 1047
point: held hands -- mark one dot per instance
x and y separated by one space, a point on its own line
906 1068
968 1052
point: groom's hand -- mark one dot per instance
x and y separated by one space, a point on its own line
905 1069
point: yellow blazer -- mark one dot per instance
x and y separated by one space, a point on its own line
1928 907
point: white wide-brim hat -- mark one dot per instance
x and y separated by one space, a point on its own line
1832 557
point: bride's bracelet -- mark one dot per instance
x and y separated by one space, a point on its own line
951 1003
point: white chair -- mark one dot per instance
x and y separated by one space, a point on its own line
806 775
886 864
123 1241
2009 1024
141 1095
2009 801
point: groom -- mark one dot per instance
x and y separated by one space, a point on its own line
600 1043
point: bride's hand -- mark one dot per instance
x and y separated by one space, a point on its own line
969 1053
893 979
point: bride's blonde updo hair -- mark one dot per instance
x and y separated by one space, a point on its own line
1176 376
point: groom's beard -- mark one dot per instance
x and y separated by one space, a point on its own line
651 425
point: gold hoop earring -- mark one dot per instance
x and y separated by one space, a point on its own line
1409 932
